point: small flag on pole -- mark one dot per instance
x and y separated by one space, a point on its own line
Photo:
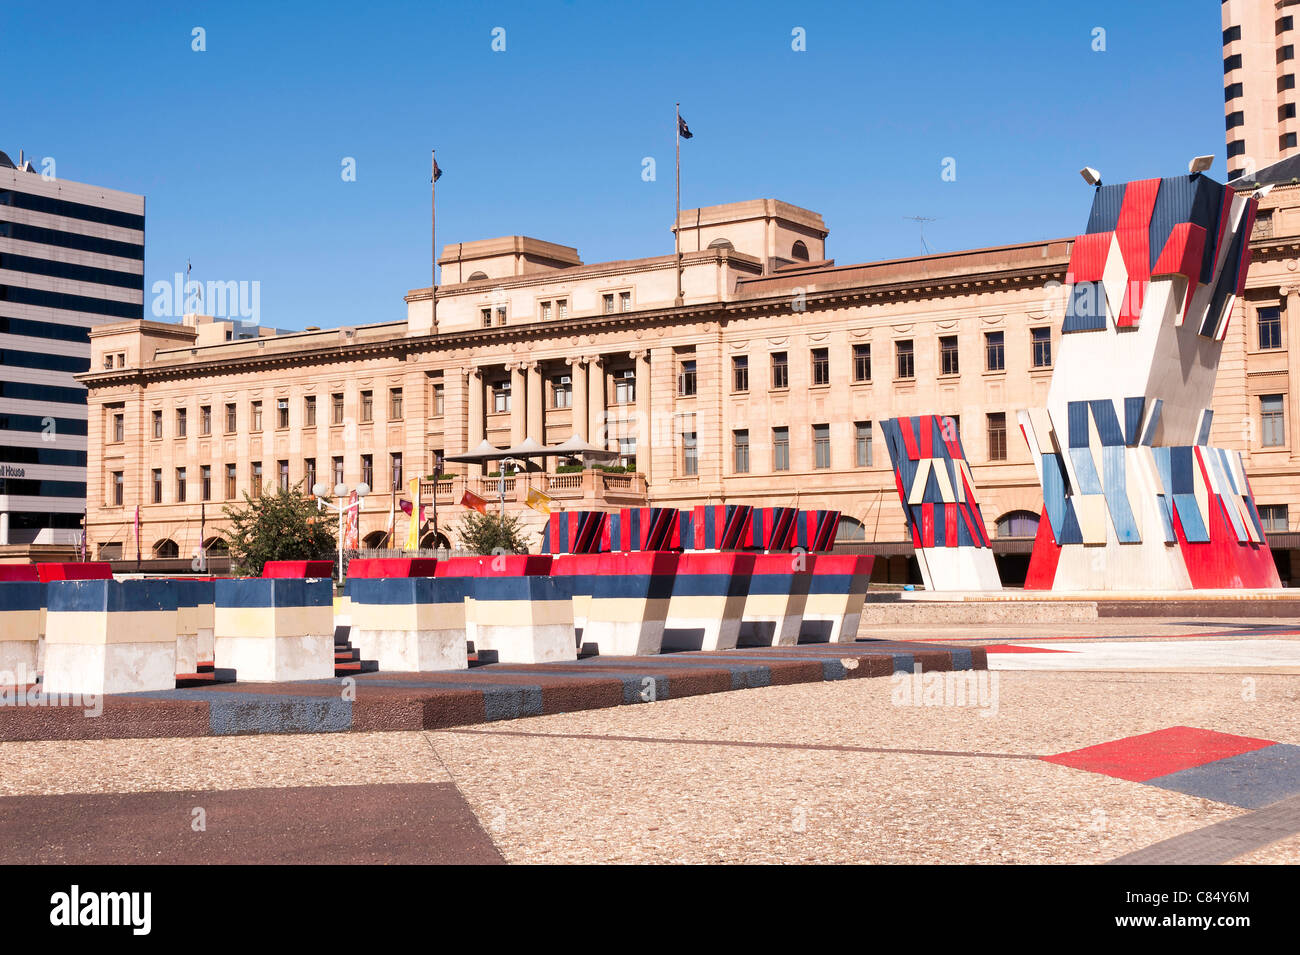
683 130
413 535
472 500
437 171
538 501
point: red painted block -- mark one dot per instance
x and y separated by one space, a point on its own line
1139 758
91 570
842 564
18 572
502 565
631 564
292 569
393 567
1044 557
1088 257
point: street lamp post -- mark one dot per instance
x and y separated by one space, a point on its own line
342 506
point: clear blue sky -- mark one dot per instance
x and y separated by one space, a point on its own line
239 149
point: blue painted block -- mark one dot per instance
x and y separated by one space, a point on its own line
1133 408
1190 516
252 592
20 595
110 596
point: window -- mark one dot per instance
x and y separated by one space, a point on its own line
180 485
282 471
686 378
862 444
607 303
821 366
780 371
546 311
396 467
821 446
205 482
561 391
1286 111
157 424
394 404
1236 148
501 396
439 400
232 422
309 411
485 317
1017 524
119 486
1285 83
180 422
336 406
501 314
155 479
905 360
1285 53
1235 119
624 387
690 458
1231 63
740 451
256 489
861 362
309 473
108 361
627 453
740 373
561 308
625 301
1041 341
1231 92
256 413
1283 24
367 406
1272 421
998 436
799 251
282 413
780 449
994 352
205 419
119 427
368 469
1273 517
1230 34
1287 141
232 482
338 470
1269 321
948 363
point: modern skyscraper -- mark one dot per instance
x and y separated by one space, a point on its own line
1259 82
71 257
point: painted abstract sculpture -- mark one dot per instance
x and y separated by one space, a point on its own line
1135 497
937 492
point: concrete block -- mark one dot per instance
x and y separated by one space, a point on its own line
836 592
410 624
624 599
274 629
708 601
524 619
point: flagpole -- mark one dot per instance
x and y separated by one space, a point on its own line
677 232
433 245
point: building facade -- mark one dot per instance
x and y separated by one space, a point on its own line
764 387
71 258
1259 82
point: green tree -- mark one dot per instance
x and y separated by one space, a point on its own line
491 534
285 525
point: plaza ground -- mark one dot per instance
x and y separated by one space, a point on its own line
813 772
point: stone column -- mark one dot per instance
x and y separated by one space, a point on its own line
536 409
644 430
1292 367
578 406
477 423
518 401
596 402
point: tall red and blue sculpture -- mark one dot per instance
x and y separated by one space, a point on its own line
1134 495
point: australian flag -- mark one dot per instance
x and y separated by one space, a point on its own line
683 130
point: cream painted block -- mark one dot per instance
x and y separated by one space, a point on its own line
117 667
273 659
187 653
413 651
703 622
120 626
20 655
626 626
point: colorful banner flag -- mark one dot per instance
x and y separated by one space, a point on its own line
472 500
538 501
352 530
417 515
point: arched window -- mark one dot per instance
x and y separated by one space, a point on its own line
799 251
375 539
850 529
1018 524
430 542
166 548
477 277
215 546
722 244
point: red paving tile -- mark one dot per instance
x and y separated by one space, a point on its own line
1139 758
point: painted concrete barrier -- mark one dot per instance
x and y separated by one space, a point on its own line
521 619
271 629
300 569
621 599
20 626
708 601
778 594
378 567
194 618
837 589
74 570
110 636
410 624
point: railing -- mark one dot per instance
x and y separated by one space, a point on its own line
574 488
